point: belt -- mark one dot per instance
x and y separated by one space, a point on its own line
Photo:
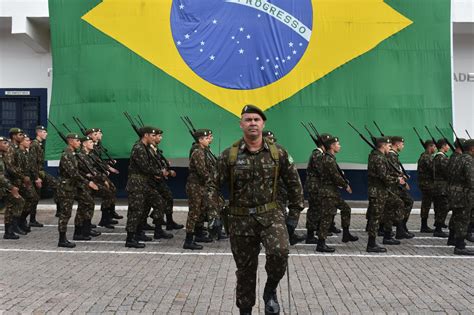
241 211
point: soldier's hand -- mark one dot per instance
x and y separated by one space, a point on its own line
39 183
27 181
89 175
165 173
401 180
113 170
107 184
157 177
349 189
407 186
93 186
172 173
15 191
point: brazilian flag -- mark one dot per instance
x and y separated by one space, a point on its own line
325 61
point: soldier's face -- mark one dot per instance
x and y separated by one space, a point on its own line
398 146
252 125
18 137
74 143
4 146
42 134
158 138
94 136
99 135
25 143
336 147
432 148
386 147
204 141
88 145
211 137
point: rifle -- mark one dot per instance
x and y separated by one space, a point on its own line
191 129
378 128
316 141
445 139
140 120
431 135
63 137
419 138
457 138
467 132
83 129
372 137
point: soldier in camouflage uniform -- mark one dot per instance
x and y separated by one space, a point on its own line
425 183
461 195
72 185
440 179
398 143
141 185
107 206
198 186
9 193
332 179
37 154
380 181
252 168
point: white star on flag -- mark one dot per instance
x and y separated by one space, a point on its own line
276 67
181 6
233 37
214 21
212 57
257 58
248 36
202 43
201 50
241 51
186 36
289 57
262 68
294 52
178 42
276 58
290 44
241 29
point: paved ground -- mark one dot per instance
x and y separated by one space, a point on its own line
102 276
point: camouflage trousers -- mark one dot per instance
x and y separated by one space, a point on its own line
106 194
383 209
48 182
426 200
394 211
246 235
329 206
314 212
460 221
407 202
213 204
441 209
167 198
31 198
197 195
85 205
139 203
13 207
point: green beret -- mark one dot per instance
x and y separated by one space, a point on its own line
460 142
440 143
91 130
148 129
330 140
382 140
14 131
252 109
40 127
322 139
468 144
73 136
396 139
85 138
201 133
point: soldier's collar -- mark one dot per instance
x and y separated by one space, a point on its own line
320 150
393 151
330 154
243 146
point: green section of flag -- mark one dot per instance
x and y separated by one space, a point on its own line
404 82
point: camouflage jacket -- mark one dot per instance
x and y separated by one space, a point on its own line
142 168
461 181
96 156
12 163
27 163
425 171
200 168
313 171
379 178
69 175
253 175
440 173
393 157
5 183
331 179
37 154
89 168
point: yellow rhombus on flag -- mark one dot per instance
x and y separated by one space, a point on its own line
342 31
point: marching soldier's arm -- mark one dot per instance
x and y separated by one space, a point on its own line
291 179
141 158
198 159
331 167
4 181
36 155
382 172
222 169
12 165
71 169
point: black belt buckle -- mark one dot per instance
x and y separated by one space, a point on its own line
252 211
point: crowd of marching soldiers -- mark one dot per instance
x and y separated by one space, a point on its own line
448 182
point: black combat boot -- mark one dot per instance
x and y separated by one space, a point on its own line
295 238
451 238
105 219
114 213
401 233
131 241
63 241
347 236
271 301
461 249
15 228
438 232
411 235
424 227
171 225
141 236
33 221
323 248
159 233
334 228
88 229
381 231
221 234
23 224
388 239
201 236
147 227
9 234
189 242
310 238
245 311
79 234
470 231
373 247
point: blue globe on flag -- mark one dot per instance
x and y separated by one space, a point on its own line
241 44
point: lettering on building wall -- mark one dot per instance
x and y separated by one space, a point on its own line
464 77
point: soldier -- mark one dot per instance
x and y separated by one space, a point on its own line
14 203
197 185
332 179
141 187
72 185
107 206
440 179
252 167
461 195
398 143
379 183
425 183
